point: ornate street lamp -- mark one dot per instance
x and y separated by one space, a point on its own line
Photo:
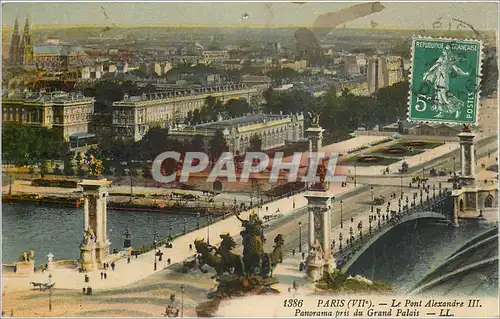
454 168
354 174
198 220
371 189
209 220
340 241
350 233
185 225
182 300
170 238
154 245
341 217
50 292
300 236
401 178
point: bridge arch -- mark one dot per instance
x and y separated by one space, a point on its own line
377 235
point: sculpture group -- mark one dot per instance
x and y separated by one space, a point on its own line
254 260
28 256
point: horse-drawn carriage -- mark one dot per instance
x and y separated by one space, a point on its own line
418 179
379 200
42 286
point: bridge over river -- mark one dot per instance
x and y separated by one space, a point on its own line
433 207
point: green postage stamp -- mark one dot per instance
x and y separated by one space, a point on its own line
445 80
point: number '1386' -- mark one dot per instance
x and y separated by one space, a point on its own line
293 303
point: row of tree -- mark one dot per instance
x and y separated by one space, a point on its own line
31 146
341 114
213 107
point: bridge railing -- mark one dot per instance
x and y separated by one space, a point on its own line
356 242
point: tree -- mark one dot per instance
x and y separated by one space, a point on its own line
68 164
217 145
95 167
153 143
255 144
237 107
23 145
79 166
197 143
44 168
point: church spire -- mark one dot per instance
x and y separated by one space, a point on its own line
26 45
14 45
27 31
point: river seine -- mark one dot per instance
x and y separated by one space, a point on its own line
400 258
59 230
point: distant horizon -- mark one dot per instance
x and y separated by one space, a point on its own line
252 26
395 15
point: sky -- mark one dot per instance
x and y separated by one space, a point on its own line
408 15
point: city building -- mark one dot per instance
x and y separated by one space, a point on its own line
356 86
436 129
384 71
424 129
67 113
133 116
351 66
257 81
273 130
155 68
395 70
215 57
377 75
298 66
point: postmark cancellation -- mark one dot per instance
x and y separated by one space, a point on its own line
445 80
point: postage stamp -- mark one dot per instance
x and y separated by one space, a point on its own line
445 80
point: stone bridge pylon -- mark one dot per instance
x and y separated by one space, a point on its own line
95 244
469 197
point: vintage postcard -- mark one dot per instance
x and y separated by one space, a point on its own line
250 159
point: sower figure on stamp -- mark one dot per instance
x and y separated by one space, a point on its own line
444 102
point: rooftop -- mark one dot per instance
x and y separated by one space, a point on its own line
131 100
44 97
58 50
245 120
